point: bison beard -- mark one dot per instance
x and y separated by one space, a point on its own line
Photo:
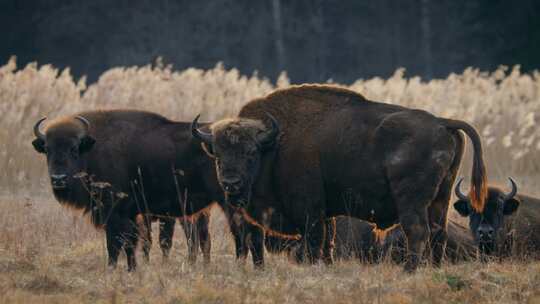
340 154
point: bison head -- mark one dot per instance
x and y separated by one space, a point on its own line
487 227
237 147
64 143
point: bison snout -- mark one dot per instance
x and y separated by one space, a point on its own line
485 233
59 181
232 185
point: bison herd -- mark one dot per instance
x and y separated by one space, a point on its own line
317 171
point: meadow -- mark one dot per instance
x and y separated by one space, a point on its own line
50 254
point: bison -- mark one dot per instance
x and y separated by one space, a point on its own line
460 245
144 164
509 224
312 152
360 239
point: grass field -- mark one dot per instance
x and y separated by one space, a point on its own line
50 254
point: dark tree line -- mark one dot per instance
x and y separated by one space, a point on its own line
313 40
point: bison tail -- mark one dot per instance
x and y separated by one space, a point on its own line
478 192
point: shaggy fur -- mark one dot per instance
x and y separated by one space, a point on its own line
144 163
128 171
340 154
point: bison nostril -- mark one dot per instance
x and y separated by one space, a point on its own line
58 177
59 181
232 184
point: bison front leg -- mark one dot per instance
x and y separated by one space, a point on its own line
256 246
114 241
192 238
130 236
240 242
313 238
205 242
122 233
238 228
166 233
146 231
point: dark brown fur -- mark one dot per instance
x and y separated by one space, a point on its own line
131 170
160 167
340 154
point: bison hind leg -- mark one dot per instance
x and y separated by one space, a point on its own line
415 185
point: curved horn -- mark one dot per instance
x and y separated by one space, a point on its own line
513 191
458 192
270 136
37 132
85 122
203 136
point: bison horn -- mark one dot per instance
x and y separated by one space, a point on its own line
458 192
85 122
513 191
203 136
37 132
269 137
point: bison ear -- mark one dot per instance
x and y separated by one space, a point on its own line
463 207
39 145
510 206
87 143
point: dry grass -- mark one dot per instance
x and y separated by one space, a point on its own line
48 254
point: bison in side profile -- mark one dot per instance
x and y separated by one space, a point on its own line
329 151
508 225
144 164
460 245
359 239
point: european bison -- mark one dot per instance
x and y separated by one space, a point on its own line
460 245
145 164
329 151
133 156
359 239
509 223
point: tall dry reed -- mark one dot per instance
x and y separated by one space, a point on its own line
503 105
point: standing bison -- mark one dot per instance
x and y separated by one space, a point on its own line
509 223
128 161
143 164
328 151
